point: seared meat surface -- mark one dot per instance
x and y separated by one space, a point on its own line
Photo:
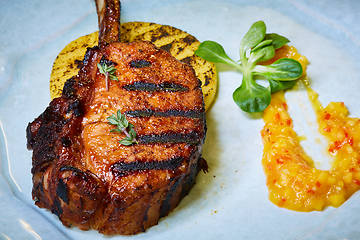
80 170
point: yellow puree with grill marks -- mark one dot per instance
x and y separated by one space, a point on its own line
292 179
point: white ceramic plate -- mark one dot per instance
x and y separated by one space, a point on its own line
230 202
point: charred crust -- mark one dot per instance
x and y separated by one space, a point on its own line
66 141
41 187
75 107
189 180
166 204
69 90
146 212
103 60
85 184
38 188
56 208
62 191
49 114
75 172
181 185
43 140
88 54
140 63
41 168
52 116
30 137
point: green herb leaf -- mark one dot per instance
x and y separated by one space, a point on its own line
111 69
262 44
132 131
113 77
115 130
262 54
108 71
256 46
101 70
278 86
254 98
277 40
213 52
112 120
123 125
285 69
126 142
253 37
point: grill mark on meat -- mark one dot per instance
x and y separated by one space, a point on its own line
75 171
191 138
155 72
41 187
153 87
120 98
103 60
124 168
141 63
181 187
146 212
189 180
69 168
168 113
62 191
166 204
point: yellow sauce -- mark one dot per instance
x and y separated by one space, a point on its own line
292 179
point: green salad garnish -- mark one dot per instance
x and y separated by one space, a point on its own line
255 47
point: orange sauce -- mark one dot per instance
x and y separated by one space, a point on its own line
293 181
289 52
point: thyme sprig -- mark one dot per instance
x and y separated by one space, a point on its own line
109 72
122 125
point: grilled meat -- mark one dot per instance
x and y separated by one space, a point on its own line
80 170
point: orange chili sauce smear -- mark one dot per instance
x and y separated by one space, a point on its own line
293 181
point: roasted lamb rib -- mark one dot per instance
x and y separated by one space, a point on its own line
80 170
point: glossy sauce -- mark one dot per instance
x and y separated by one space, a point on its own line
292 179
